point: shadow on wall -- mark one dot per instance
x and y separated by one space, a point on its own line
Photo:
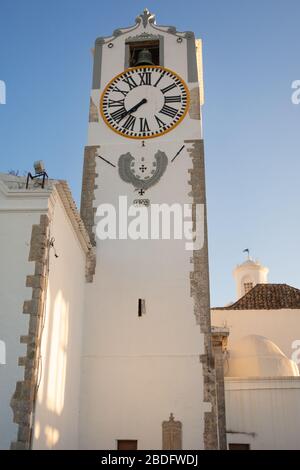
53 371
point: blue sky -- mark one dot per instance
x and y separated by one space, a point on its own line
251 127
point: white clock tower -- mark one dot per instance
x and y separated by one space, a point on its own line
148 378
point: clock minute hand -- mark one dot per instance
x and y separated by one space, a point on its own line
134 108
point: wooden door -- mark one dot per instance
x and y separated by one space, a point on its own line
128 444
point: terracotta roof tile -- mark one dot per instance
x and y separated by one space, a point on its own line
267 297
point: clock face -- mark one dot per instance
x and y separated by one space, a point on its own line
144 102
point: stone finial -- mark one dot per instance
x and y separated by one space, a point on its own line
146 17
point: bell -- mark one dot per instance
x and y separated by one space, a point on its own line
144 58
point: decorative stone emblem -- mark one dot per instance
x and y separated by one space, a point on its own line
141 174
171 434
141 202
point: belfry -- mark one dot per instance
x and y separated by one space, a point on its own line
145 142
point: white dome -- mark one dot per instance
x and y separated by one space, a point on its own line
257 356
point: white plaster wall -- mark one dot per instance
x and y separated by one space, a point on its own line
280 326
264 413
128 397
139 370
57 410
15 233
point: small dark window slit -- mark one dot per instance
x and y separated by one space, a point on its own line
141 307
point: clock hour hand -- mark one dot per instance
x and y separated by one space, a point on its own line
134 108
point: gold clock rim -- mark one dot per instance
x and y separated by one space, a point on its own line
149 136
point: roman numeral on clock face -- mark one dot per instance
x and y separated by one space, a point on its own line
168 88
159 79
144 127
118 114
145 78
130 82
124 92
115 103
160 122
173 99
168 111
129 123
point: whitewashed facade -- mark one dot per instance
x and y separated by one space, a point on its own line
260 357
137 370
56 416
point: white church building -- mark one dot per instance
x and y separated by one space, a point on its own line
261 358
109 342
45 262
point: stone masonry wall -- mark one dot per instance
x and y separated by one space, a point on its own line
87 210
199 277
23 400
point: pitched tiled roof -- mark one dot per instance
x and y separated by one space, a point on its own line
267 297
